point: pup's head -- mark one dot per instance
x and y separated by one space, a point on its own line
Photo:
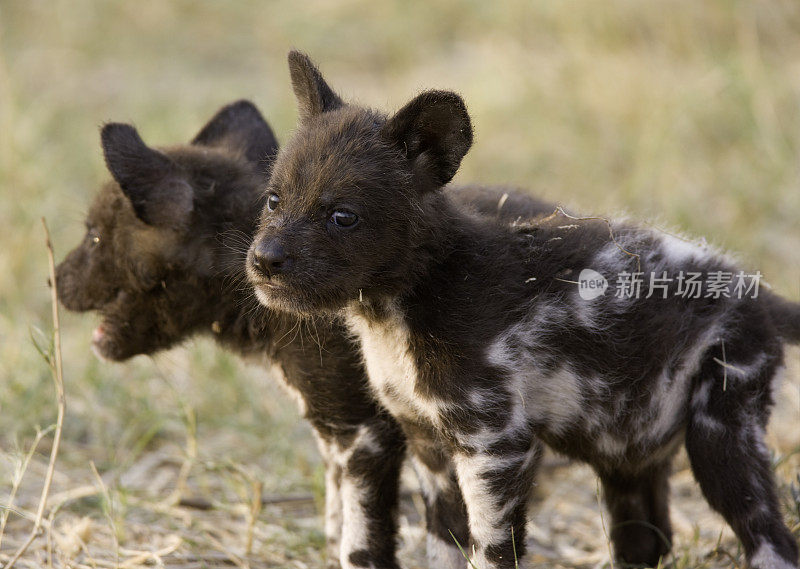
152 252
344 216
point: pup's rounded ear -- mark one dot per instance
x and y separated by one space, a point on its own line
313 94
131 162
435 132
157 190
240 126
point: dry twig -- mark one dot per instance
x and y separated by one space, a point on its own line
560 210
58 379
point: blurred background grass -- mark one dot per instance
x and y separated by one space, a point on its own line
682 112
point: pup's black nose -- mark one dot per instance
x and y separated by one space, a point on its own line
269 258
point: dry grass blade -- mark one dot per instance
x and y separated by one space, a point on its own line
142 557
23 467
461 549
231 556
189 460
58 378
255 510
109 509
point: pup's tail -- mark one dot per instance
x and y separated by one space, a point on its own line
786 316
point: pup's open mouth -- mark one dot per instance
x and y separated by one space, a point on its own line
110 344
100 341
98 334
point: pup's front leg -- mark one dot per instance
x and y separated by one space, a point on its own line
445 511
496 482
333 499
370 464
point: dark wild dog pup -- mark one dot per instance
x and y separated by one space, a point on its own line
477 338
163 260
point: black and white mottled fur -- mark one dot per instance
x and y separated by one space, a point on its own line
477 341
162 260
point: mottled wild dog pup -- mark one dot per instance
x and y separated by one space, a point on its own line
163 259
476 336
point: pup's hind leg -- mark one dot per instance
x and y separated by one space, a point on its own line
639 508
445 511
724 439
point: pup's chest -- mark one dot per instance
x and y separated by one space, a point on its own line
391 366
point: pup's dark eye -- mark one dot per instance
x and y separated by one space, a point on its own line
94 237
344 218
272 202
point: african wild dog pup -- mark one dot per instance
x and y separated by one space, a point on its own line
162 260
476 336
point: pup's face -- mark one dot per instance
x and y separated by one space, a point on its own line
332 223
344 205
92 273
150 249
118 263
